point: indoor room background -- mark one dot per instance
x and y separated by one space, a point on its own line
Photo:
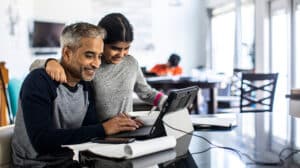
160 27
215 34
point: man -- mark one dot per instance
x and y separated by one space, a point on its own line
51 114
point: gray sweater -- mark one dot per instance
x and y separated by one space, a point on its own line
114 85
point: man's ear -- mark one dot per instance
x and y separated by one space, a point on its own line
67 53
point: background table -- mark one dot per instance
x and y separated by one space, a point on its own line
167 83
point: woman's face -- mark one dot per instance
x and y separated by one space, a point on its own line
115 52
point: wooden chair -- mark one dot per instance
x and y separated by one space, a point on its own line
4 103
257 92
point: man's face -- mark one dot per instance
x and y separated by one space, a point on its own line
83 62
114 53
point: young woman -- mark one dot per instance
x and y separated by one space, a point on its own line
119 74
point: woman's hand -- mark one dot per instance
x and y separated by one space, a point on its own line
56 71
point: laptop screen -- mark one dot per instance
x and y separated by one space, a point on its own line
177 100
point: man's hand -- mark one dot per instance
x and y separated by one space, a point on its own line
56 71
137 121
118 124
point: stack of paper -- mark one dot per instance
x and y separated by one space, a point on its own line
127 151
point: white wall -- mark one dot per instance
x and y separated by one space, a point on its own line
180 29
67 11
14 49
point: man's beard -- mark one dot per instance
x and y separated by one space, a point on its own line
73 71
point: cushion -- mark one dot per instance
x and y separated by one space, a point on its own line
6 133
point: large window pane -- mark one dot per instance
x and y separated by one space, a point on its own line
246 60
297 16
223 42
297 73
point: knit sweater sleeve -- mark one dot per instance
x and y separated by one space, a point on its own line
37 95
40 63
145 91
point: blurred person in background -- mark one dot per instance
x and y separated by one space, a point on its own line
170 68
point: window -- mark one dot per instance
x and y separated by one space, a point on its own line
224 38
297 67
223 42
297 28
246 60
279 63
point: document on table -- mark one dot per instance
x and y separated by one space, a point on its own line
127 151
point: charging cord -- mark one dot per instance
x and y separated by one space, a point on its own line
239 153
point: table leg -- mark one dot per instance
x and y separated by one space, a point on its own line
212 104
195 105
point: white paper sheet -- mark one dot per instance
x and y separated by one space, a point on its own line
128 151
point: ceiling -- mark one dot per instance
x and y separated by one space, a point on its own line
217 3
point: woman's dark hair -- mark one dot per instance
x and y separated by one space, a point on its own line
117 27
174 60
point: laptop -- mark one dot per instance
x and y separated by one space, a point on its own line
225 121
177 100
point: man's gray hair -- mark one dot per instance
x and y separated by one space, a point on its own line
72 34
